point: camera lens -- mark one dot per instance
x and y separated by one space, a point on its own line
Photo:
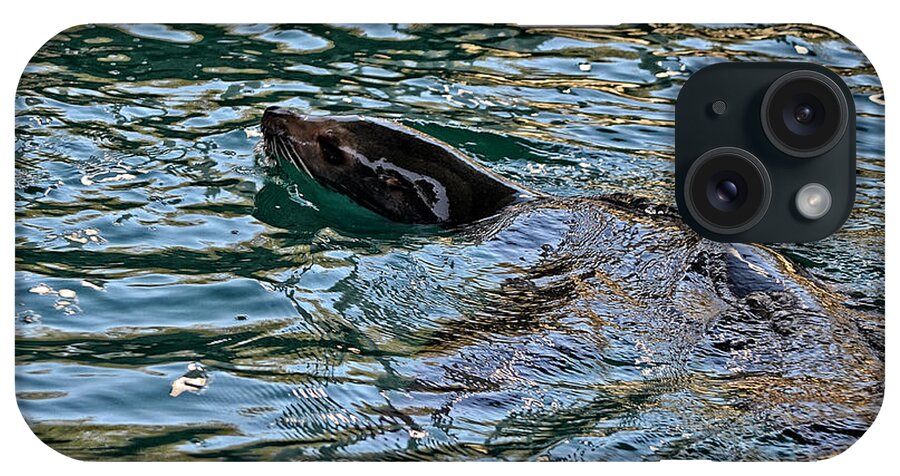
804 113
727 190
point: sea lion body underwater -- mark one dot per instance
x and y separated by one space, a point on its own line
392 170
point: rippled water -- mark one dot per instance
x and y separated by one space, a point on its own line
176 300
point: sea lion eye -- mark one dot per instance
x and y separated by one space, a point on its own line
330 151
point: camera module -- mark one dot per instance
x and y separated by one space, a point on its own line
765 152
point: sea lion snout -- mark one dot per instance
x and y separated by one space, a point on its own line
286 122
275 119
278 111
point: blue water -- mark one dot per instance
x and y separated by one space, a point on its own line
154 253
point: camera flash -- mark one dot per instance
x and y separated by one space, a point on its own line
813 201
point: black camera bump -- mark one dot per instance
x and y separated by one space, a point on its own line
765 152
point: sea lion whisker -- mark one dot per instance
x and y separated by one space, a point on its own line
294 156
282 151
269 146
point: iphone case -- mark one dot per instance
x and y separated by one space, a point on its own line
184 292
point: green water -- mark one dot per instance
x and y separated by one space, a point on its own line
148 239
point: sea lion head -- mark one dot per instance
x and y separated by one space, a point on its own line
390 169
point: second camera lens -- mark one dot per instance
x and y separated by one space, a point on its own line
804 113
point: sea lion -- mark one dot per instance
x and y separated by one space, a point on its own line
390 169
